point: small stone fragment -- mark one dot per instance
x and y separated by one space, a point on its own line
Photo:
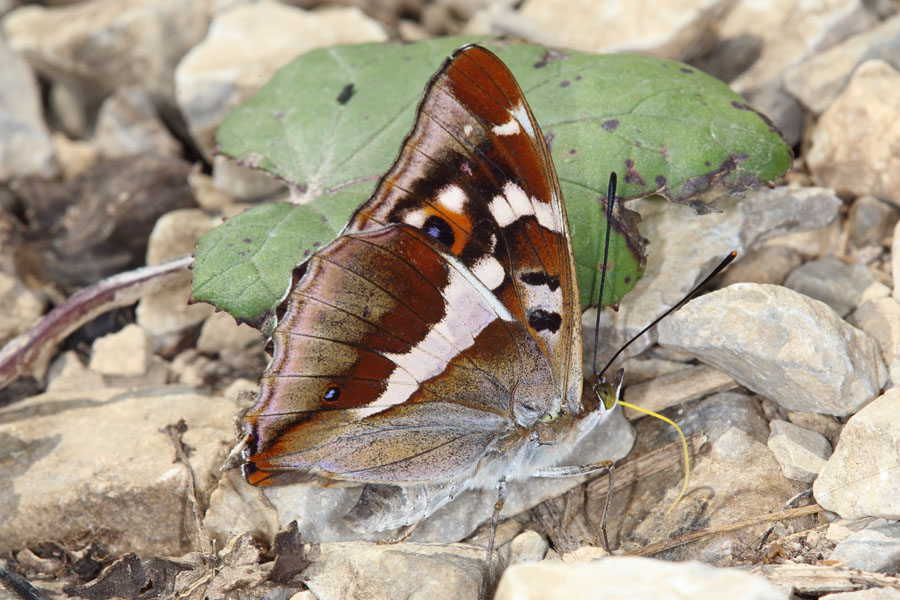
880 318
528 546
800 452
126 352
854 141
836 283
876 548
631 577
861 479
871 221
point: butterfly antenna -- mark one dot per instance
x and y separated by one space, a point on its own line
610 199
725 262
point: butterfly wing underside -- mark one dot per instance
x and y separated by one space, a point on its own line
476 173
443 317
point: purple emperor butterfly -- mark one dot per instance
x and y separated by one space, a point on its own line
435 345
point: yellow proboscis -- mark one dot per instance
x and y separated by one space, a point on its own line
684 446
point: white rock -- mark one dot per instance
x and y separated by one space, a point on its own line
244 47
876 548
789 32
245 183
68 373
220 333
724 485
125 352
164 314
853 144
21 307
825 425
782 345
670 29
690 383
871 221
528 546
819 79
25 146
880 318
895 262
881 593
129 124
840 529
800 452
74 156
769 264
836 283
97 47
861 479
364 570
98 462
626 577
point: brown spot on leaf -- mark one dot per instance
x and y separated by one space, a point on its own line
611 124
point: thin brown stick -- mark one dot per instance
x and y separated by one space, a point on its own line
743 523
25 350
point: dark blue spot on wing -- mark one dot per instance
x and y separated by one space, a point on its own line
439 229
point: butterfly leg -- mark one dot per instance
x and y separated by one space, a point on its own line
575 471
402 535
495 520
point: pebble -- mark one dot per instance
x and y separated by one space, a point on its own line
782 345
86 35
786 33
21 307
875 548
165 314
819 79
95 460
871 221
365 570
622 577
800 452
852 144
128 123
25 144
245 45
125 352
861 479
836 283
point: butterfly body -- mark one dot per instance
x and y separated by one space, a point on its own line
435 345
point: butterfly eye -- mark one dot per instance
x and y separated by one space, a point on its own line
331 393
439 229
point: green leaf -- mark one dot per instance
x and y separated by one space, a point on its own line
664 127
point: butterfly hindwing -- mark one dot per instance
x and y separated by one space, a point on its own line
375 375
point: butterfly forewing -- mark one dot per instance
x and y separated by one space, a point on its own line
475 173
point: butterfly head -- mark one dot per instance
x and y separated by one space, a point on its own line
609 390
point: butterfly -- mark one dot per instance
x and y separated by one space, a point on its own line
435 345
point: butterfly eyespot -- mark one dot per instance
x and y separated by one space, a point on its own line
331 393
439 229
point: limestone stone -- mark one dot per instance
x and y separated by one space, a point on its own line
861 478
782 345
852 145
